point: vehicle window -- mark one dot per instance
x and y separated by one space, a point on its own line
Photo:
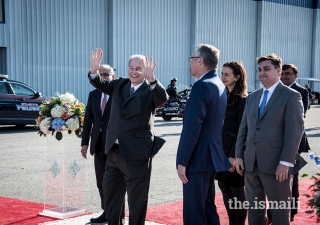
21 90
3 88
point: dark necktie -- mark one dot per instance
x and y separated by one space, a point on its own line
104 102
131 90
263 103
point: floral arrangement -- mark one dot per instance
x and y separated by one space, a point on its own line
314 201
63 112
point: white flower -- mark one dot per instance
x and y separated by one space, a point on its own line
57 111
45 124
72 123
64 128
67 97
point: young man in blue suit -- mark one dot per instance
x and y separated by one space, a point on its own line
200 154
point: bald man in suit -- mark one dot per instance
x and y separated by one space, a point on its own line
267 145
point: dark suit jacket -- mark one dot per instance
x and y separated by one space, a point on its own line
200 147
132 117
94 122
304 144
304 94
231 126
276 135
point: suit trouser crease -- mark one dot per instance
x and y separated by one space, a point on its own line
123 175
237 216
198 199
100 159
258 185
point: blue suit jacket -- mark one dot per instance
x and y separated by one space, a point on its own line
200 146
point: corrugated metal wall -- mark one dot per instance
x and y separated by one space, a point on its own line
316 48
48 42
4 29
231 27
158 28
287 31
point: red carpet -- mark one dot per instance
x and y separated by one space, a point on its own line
171 213
14 211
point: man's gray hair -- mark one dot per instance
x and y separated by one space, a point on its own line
210 55
142 57
105 68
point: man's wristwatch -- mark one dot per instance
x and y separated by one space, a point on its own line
154 82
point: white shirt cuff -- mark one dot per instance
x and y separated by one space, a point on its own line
286 163
93 75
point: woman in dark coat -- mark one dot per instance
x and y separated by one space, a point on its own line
234 77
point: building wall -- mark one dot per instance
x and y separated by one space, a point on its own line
287 31
47 43
316 48
231 27
158 28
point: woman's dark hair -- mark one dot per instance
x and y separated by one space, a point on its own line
240 87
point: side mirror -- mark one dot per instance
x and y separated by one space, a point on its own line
37 94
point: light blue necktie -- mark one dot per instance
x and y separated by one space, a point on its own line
263 103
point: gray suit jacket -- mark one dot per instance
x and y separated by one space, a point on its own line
132 117
276 135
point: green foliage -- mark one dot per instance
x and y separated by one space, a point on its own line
58 136
314 201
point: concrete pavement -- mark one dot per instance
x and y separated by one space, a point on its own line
23 157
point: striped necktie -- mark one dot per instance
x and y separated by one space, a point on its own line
104 102
131 90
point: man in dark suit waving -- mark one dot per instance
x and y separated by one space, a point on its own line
200 154
95 126
288 77
128 166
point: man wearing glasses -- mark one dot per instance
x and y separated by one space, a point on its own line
95 125
200 154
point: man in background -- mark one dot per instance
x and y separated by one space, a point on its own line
95 126
172 89
288 77
310 94
200 154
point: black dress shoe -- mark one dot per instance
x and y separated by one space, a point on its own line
100 219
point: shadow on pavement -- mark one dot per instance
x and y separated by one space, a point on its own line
164 135
167 123
14 129
312 128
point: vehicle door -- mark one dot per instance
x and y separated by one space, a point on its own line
27 103
7 105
